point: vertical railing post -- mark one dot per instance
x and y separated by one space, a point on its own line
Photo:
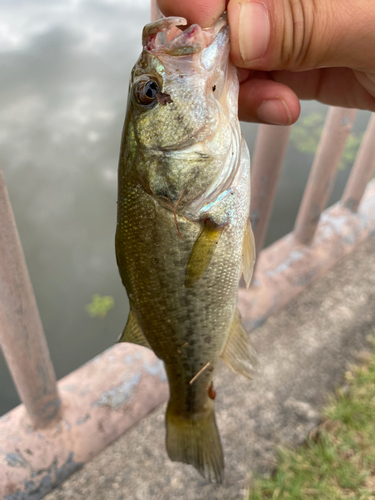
270 149
337 128
21 332
362 170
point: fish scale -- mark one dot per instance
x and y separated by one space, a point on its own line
183 233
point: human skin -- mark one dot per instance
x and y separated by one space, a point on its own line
287 50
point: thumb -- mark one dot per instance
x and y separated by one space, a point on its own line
202 12
299 35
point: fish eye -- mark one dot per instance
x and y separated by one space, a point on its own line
145 91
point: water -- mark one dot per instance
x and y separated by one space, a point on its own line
63 81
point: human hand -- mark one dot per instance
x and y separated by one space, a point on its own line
289 50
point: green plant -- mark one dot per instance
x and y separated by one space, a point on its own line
99 306
306 134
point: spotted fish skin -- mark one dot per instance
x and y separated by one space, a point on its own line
182 230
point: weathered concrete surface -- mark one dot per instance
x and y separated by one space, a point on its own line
100 401
304 351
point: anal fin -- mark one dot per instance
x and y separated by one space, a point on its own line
132 333
248 254
238 352
202 252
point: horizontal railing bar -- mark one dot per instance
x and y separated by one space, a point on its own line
270 149
336 130
101 400
363 169
287 267
21 332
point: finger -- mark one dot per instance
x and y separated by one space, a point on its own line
265 101
302 34
203 12
333 86
367 80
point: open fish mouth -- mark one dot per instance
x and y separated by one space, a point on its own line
166 36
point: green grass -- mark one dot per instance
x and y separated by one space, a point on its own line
338 460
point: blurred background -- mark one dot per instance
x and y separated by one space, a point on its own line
64 70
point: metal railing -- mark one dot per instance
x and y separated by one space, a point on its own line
21 332
320 238
112 392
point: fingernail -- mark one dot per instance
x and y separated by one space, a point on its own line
254 30
275 112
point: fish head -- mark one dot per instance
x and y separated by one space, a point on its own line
177 83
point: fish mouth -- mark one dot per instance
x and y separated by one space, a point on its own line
176 41
202 54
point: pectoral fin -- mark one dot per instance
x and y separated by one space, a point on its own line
202 253
248 254
132 333
238 352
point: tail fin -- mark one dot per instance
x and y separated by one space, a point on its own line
196 442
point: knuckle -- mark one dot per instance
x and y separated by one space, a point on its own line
298 34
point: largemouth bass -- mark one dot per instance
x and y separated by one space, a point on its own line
183 233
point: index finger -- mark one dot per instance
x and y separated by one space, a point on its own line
202 12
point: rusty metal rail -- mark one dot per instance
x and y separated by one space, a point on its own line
100 400
336 130
21 333
362 170
51 434
287 267
270 149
